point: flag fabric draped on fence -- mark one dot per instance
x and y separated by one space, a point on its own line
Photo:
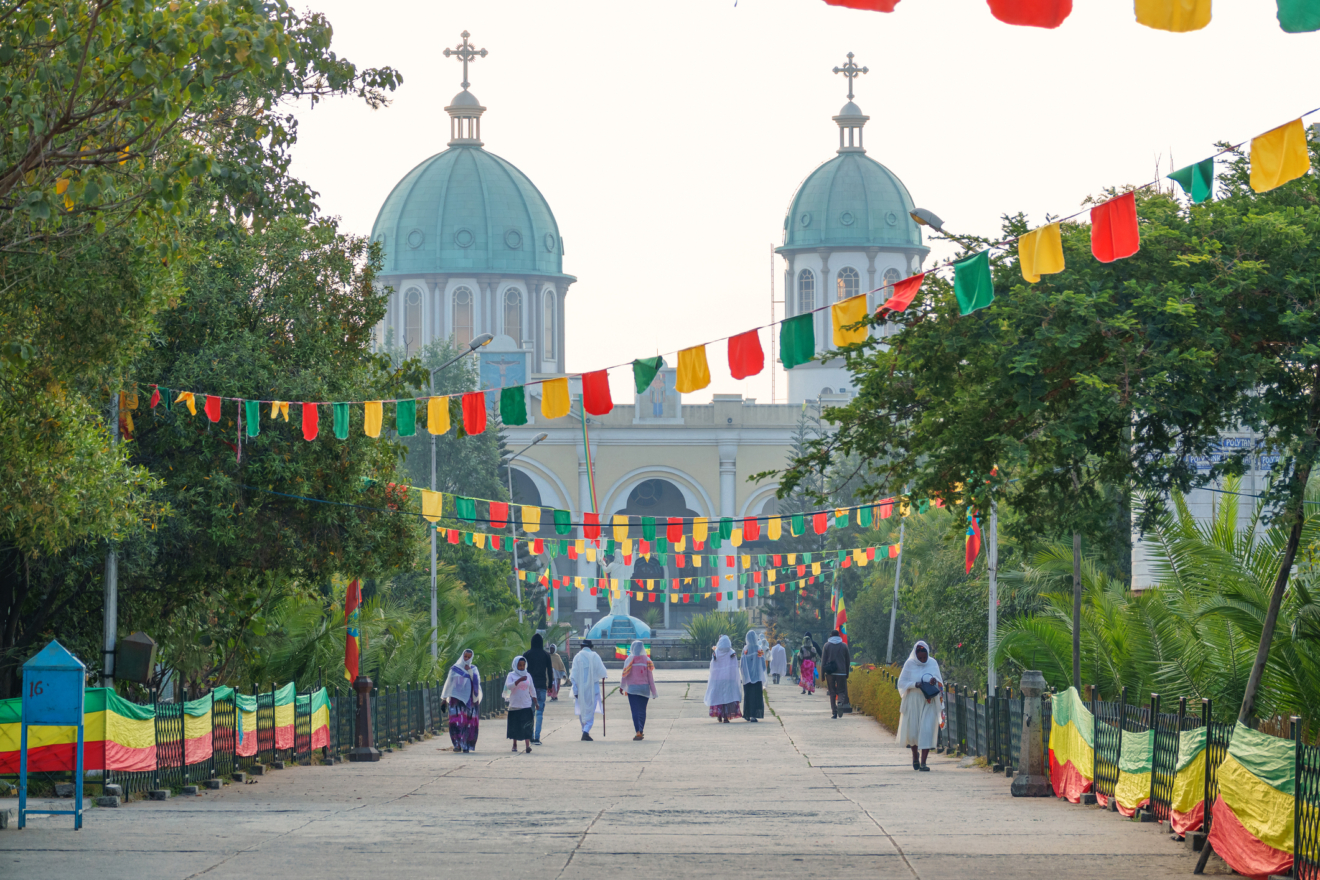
1072 746
1253 818
1187 805
1135 764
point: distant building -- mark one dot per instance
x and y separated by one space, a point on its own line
471 246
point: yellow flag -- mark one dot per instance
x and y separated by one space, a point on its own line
373 411
792 559
673 598
747 560
479 538
284 410
531 519
735 537
555 402
845 312
627 547
1040 252
699 530
815 568
771 572
1178 16
437 415
1278 156
904 507
591 554
187 397
581 546
693 374
432 505
681 544
620 528
577 582
740 594
774 528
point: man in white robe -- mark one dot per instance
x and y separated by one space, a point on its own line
587 676
778 661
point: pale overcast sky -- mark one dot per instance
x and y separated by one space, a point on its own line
669 137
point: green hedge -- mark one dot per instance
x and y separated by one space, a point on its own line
873 691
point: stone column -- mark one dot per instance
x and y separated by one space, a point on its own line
1031 780
363 749
728 500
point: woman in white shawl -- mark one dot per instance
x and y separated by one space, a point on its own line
724 685
462 695
919 715
520 693
753 678
778 662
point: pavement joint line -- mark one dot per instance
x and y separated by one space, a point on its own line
582 838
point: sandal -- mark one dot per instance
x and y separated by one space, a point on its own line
924 768
916 765
529 750
637 736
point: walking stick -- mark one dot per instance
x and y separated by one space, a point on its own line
604 731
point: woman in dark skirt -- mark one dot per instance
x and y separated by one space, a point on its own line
753 678
522 701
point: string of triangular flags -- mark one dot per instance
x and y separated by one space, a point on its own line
1175 16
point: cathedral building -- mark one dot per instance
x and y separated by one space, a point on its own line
471 246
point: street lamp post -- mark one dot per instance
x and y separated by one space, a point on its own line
475 344
513 531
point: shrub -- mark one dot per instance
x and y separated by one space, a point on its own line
873 692
704 630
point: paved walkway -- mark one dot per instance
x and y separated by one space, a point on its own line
799 795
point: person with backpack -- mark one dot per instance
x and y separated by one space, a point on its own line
835 661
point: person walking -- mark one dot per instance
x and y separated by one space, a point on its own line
753 679
922 688
835 663
520 692
638 682
538 667
557 673
587 678
778 662
462 694
807 664
723 684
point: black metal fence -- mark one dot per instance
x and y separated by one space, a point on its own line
1306 812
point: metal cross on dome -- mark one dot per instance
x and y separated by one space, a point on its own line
849 70
466 53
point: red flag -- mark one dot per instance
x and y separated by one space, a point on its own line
591 526
572 551
904 292
679 560
495 543
352 601
499 515
886 509
973 540
538 547
779 560
869 5
596 393
454 536
155 396
751 528
745 355
1031 13
819 523
1114 231
213 407
841 620
644 548
474 412
686 596
674 532
870 554
756 577
311 419
894 550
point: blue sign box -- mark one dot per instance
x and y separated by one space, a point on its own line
53 687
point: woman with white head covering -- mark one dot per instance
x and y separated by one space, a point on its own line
778 662
587 677
638 682
919 714
521 694
462 693
753 678
724 685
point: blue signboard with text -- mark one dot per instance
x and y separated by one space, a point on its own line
53 686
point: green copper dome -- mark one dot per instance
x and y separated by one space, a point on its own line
851 200
467 210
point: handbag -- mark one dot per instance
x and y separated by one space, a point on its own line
930 689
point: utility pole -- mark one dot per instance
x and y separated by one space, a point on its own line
435 622
992 562
111 575
898 571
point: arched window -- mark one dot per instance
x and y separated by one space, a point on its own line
513 314
892 277
849 283
806 291
462 316
412 319
548 325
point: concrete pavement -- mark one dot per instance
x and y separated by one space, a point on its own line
797 795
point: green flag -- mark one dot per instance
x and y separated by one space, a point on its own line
563 547
563 522
405 418
609 546
971 283
552 547
252 412
513 406
466 508
167 398
864 515
841 520
662 544
1299 16
1196 180
340 411
726 528
644 370
715 540
648 528
797 525
797 340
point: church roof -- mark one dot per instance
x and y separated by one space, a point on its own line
851 201
468 210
